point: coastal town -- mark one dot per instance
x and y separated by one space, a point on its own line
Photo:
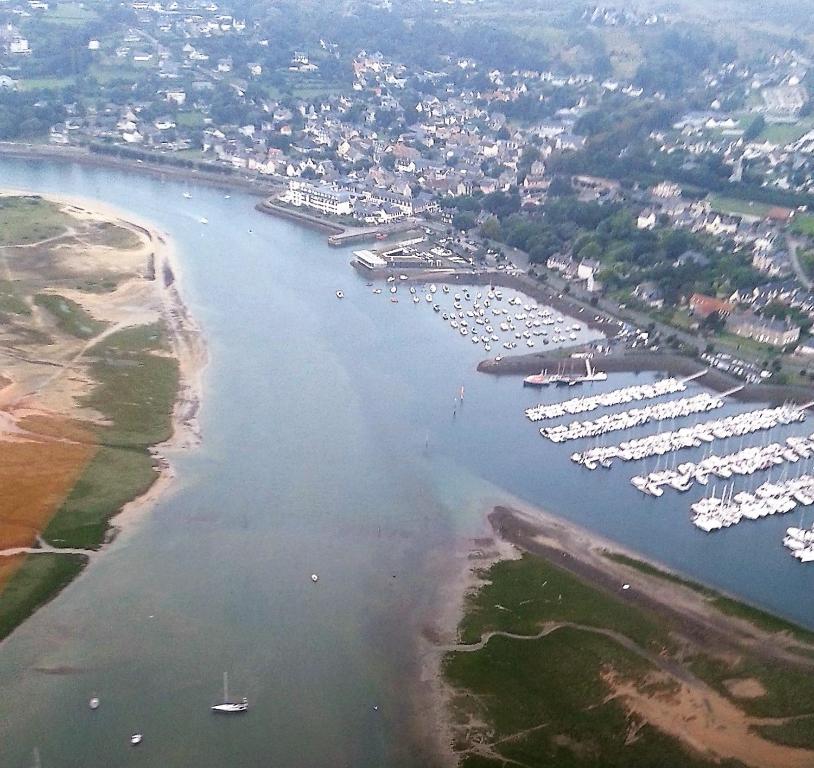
706 245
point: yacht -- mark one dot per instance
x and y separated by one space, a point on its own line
227 706
340 295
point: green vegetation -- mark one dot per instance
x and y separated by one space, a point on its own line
732 205
548 700
10 299
138 383
115 236
112 478
70 316
803 224
37 580
524 594
789 691
29 219
546 704
798 732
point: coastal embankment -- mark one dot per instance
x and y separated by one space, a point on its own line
575 651
635 362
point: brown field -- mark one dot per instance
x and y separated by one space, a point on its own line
36 473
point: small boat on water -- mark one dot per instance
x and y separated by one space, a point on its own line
227 706
340 295
203 220
187 195
94 703
136 738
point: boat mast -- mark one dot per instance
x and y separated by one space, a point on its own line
226 686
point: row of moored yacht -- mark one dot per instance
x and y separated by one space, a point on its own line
800 541
690 437
606 399
747 461
613 422
712 513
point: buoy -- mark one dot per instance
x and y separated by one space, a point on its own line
314 578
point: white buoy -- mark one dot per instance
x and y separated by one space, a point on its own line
314 578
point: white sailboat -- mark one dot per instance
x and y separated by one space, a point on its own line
228 706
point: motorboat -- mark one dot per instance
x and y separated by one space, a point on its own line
340 295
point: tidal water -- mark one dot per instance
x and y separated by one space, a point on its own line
329 446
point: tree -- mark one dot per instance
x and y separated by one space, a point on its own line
464 220
755 128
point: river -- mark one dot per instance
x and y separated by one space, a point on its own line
329 446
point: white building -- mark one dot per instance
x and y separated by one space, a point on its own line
320 197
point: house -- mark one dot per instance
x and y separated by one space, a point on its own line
650 294
703 306
646 219
777 333
587 269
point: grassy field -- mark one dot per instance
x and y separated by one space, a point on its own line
112 478
732 205
36 580
46 83
523 594
70 14
550 701
803 224
116 236
786 133
26 220
137 387
70 317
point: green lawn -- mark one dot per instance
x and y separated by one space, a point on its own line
786 133
28 219
46 83
70 316
37 580
732 205
803 224
70 14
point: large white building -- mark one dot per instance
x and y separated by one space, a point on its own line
320 197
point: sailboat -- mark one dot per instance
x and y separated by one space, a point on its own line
227 706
